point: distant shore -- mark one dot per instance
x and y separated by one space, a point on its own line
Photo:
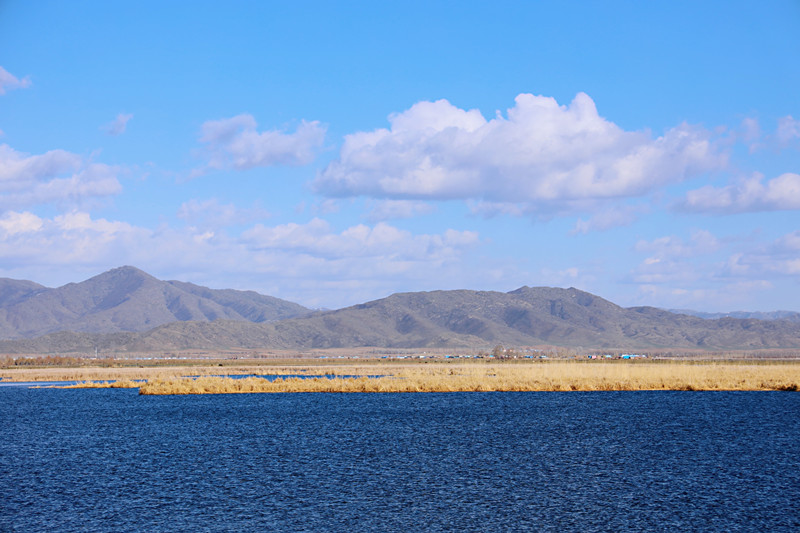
206 377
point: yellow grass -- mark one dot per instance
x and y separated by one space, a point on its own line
96 373
555 376
120 384
431 376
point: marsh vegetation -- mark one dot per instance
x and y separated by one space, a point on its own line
429 376
555 376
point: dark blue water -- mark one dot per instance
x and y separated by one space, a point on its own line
110 460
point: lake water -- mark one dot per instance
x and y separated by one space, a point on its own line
111 460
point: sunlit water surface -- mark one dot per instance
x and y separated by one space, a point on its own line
110 460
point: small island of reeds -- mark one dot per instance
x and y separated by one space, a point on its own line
432 376
551 376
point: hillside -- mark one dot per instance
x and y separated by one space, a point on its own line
791 316
442 319
126 299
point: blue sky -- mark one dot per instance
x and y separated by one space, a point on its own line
332 153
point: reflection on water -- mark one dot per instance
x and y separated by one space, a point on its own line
110 460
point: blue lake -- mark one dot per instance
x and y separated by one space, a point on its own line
111 460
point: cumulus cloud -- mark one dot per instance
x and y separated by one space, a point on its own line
13 223
320 265
786 135
657 271
8 81
704 270
118 125
65 240
751 194
312 263
567 277
780 257
398 209
540 154
382 240
235 143
671 246
75 240
720 297
788 130
672 260
607 219
749 132
211 213
56 176
326 207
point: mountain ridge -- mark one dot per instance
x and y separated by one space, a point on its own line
791 316
527 316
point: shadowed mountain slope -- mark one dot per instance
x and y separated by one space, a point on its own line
126 299
13 291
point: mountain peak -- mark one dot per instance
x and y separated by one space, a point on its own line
127 299
125 271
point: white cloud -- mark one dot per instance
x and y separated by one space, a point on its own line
670 246
751 130
211 214
311 263
705 272
65 240
493 209
13 223
82 222
788 130
607 219
118 125
541 154
752 194
382 240
567 277
750 133
8 81
654 270
235 143
56 176
320 265
722 297
326 207
398 209
786 135
779 258
674 261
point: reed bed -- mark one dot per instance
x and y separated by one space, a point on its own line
554 376
140 373
120 384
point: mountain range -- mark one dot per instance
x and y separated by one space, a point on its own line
126 309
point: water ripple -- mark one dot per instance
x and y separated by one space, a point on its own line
110 460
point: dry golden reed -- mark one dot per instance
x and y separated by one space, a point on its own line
93 373
553 376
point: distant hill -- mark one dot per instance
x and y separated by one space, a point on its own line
526 316
446 319
791 316
126 299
